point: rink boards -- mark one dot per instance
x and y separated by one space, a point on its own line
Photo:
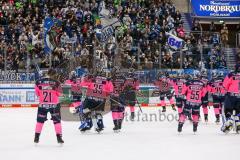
23 95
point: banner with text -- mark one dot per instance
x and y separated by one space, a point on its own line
17 94
216 8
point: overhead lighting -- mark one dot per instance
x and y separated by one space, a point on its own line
221 21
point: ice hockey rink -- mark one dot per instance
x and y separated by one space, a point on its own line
142 139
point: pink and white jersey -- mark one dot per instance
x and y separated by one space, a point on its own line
194 90
86 80
232 83
216 87
178 85
98 87
163 84
48 91
131 84
118 85
75 85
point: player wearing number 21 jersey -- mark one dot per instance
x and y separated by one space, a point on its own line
48 90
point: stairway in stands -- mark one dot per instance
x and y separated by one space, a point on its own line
230 57
183 7
187 21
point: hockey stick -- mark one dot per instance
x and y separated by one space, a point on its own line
139 106
234 121
117 102
123 105
223 114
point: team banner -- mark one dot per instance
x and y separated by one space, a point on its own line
216 8
174 42
108 24
52 30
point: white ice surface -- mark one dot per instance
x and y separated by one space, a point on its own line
137 141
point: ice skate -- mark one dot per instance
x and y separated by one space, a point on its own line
206 118
116 128
36 138
164 109
217 120
59 139
180 125
227 126
173 107
195 125
132 116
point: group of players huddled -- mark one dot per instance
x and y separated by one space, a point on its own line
91 92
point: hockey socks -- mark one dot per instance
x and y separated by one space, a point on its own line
38 131
39 127
117 121
182 119
172 103
58 130
163 104
217 112
179 110
115 117
205 112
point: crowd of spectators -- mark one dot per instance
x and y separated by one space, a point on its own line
209 43
141 39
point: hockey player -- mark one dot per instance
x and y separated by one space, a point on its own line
48 90
232 101
163 83
75 83
216 89
205 101
178 84
117 100
85 118
131 86
194 90
98 89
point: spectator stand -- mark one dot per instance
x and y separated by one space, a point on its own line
201 50
238 40
139 42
